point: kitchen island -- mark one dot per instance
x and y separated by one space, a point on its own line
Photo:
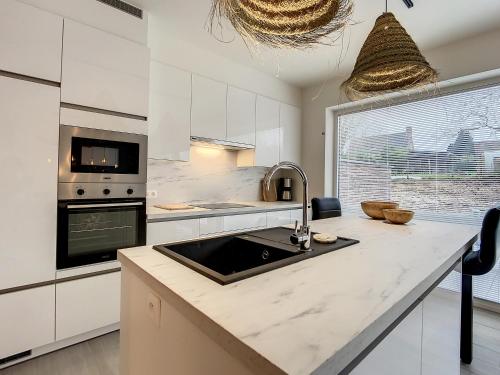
323 315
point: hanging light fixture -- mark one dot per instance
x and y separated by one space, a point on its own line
389 61
283 23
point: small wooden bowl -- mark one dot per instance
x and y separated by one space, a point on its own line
374 208
398 216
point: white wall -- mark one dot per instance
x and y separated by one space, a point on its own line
167 48
466 57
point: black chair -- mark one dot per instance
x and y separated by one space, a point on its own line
476 263
323 208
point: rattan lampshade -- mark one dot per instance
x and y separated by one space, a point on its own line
284 23
389 61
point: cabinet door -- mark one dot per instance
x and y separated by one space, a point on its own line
278 218
87 304
241 116
441 336
104 71
172 231
29 114
243 222
208 111
169 113
30 41
290 133
400 352
211 225
267 142
26 320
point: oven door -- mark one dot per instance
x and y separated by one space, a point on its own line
92 231
94 155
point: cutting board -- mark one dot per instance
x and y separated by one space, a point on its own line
174 206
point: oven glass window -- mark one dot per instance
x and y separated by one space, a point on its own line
101 156
99 230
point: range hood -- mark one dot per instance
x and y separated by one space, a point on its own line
222 144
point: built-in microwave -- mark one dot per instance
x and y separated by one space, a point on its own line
92 155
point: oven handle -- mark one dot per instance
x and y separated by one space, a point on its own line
104 205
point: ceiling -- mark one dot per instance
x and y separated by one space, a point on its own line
431 23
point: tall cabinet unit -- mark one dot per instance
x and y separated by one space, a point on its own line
29 113
169 113
104 71
208 110
30 41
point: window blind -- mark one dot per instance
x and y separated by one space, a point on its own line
439 157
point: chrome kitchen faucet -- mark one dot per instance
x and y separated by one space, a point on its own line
302 234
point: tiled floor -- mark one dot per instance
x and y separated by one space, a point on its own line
100 356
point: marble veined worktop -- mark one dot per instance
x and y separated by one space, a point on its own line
318 315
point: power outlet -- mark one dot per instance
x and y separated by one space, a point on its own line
152 194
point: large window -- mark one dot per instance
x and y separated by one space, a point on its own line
438 156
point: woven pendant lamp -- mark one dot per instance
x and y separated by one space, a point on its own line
389 61
283 23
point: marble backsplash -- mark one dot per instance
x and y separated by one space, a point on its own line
211 175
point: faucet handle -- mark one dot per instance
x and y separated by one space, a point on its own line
296 226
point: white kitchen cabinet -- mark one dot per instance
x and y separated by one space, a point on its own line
87 304
169 113
441 333
29 114
290 133
240 116
278 218
208 109
172 231
101 70
26 320
30 41
399 353
246 221
211 225
267 143
94 120
267 138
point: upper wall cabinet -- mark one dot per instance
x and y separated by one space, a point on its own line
290 133
169 113
30 41
101 70
240 116
208 111
267 144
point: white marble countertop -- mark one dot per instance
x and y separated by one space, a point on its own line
318 315
158 214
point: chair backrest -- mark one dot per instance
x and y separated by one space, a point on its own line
323 208
483 261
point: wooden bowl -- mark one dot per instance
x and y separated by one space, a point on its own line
398 216
374 208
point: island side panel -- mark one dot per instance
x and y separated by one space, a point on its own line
156 338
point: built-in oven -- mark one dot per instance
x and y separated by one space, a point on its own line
101 194
91 231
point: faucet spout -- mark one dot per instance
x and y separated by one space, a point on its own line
302 234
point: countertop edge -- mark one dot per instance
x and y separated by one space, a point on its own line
172 216
251 358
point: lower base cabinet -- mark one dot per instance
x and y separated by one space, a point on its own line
426 342
172 231
87 304
26 320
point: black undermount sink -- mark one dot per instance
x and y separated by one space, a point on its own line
232 258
